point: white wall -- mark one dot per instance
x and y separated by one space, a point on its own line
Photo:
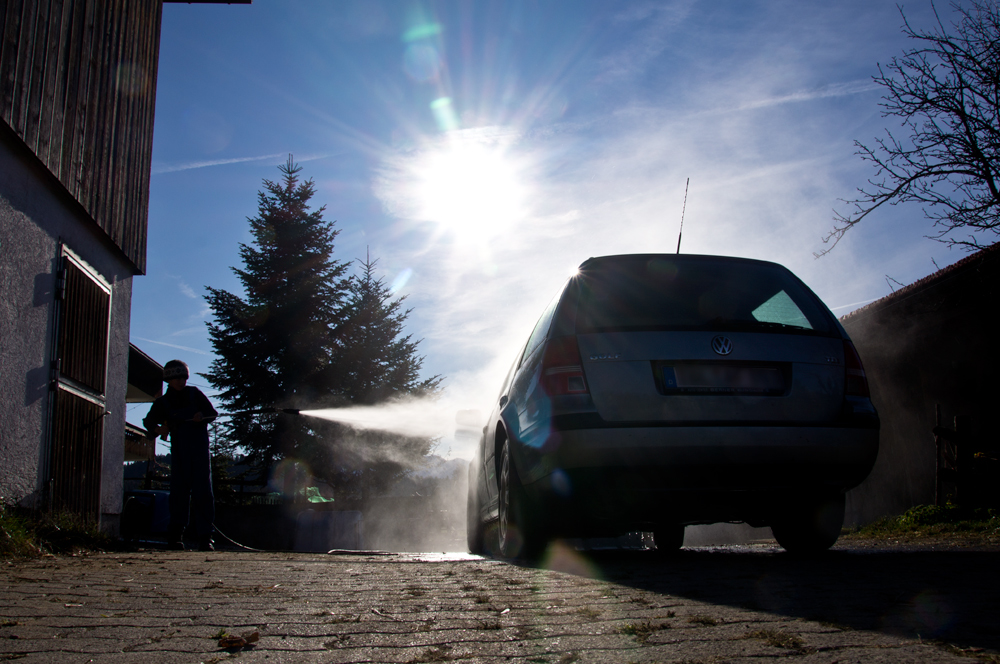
35 216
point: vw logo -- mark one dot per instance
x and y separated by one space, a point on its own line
722 345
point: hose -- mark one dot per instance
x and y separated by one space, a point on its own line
234 542
262 411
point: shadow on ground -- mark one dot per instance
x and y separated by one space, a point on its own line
952 596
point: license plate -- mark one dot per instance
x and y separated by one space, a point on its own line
722 379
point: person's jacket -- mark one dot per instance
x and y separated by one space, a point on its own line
176 408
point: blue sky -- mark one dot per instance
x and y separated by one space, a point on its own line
482 150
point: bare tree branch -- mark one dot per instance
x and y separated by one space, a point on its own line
946 93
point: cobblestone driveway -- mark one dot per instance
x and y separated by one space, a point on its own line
732 604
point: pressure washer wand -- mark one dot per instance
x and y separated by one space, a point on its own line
266 411
262 411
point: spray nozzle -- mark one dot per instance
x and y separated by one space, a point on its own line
264 411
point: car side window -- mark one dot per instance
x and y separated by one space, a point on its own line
510 374
541 328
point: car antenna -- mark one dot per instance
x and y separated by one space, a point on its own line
683 208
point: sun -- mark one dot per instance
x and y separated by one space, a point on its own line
470 190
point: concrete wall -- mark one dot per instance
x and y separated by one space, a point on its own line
36 214
931 343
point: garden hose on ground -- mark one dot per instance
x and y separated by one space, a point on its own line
234 542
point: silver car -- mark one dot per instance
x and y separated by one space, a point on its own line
658 391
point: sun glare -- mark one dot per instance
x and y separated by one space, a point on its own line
470 190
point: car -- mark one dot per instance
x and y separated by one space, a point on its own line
658 391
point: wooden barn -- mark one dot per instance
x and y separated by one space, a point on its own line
76 137
930 353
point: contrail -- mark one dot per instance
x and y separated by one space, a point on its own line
217 162
157 170
853 304
164 343
836 90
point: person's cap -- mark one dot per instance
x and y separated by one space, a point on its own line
175 369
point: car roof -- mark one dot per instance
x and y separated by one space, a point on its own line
595 261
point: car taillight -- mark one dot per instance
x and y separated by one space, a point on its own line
562 371
855 381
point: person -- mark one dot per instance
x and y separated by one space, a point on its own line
184 412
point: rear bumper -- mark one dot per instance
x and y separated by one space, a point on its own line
691 474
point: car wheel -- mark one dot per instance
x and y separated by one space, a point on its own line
668 538
517 531
813 528
474 529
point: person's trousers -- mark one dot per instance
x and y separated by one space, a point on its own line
192 502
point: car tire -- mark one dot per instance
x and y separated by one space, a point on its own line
813 528
668 538
518 533
475 530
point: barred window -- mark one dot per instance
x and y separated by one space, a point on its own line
82 349
80 369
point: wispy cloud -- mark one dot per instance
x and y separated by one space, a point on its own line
200 329
183 286
187 290
168 345
191 165
657 23
834 90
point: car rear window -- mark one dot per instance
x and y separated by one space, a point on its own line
693 293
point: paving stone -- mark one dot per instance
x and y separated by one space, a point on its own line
740 604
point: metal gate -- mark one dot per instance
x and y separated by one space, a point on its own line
78 381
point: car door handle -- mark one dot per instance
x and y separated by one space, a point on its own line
503 401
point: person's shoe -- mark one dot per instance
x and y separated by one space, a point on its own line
206 545
175 545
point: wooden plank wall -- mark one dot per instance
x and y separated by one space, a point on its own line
79 87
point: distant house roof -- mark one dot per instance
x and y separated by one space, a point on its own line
972 261
145 377
138 446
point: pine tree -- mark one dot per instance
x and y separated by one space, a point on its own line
279 346
378 362
306 335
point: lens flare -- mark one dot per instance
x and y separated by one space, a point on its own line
422 62
559 557
400 281
289 476
422 31
444 114
131 79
